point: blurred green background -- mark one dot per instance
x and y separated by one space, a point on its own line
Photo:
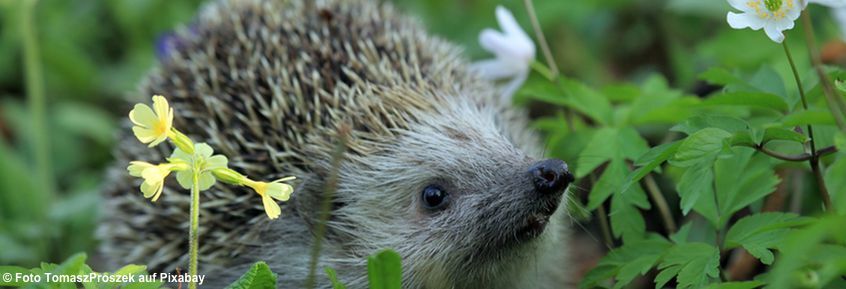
92 53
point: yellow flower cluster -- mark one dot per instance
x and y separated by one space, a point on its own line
154 125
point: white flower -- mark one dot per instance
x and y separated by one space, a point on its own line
774 16
514 52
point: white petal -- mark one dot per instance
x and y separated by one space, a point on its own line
496 42
774 33
512 29
739 4
493 69
744 20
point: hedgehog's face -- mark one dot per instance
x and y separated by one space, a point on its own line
457 194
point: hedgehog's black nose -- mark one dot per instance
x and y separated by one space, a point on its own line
550 176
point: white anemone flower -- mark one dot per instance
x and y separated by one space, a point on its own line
774 16
514 52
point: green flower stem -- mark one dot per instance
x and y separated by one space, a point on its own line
326 206
193 234
35 95
547 53
835 100
815 158
543 70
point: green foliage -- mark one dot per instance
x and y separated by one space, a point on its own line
129 277
333 277
258 277
384 270
724 155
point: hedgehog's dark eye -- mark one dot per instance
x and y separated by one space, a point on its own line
434 197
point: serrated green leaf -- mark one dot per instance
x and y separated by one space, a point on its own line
597 152
606 185
384 270
626 221
596 275
702 145
333 277
258 277
697 191
666 275
751 99
572 94
760 232
696 264
737 285
726 123
742 180
626 262
681 235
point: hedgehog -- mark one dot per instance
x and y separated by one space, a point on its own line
436 166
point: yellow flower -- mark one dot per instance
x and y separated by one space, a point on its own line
153 176
273 190
152 125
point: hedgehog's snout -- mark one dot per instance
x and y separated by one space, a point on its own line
550 177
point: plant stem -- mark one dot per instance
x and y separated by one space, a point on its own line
35 95
547 53
814 160
326 205
796 158
834 100
661 203
604 226
193 233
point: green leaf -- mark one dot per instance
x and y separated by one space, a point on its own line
702 145
258 277
696 264
607 184
650 161
572 94
333 277
610 181
384 270
751 99
596 152
807 117
737 285
626 220
806 248
697 191
835 179
760 232
721 76
697 123
12 270
742 180
627 262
